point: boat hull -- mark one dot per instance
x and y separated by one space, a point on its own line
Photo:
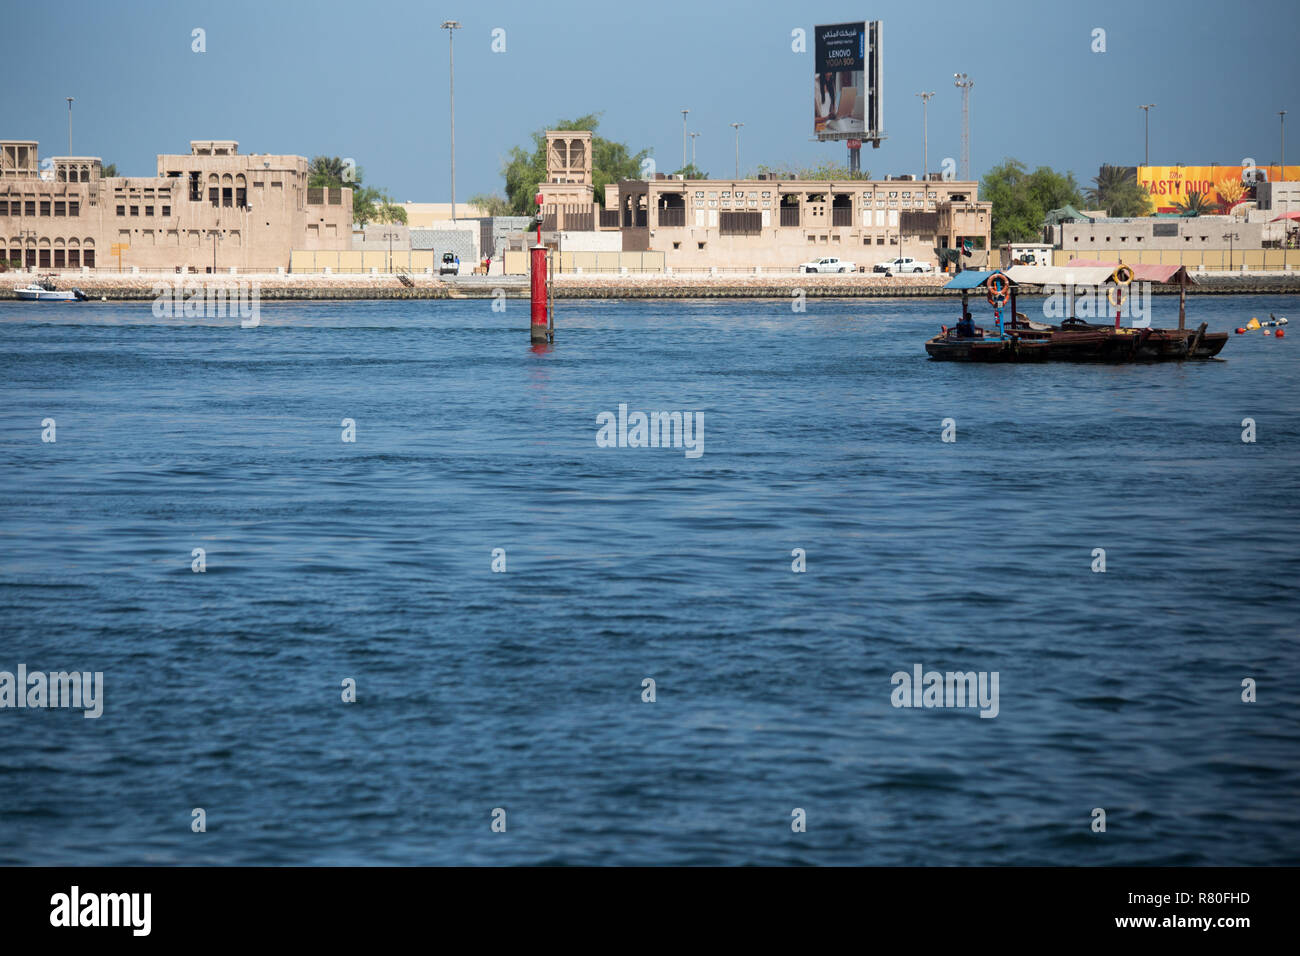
1080 344
44 295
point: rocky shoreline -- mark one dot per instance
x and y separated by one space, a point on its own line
115 287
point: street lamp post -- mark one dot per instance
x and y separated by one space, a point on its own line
684 134
1281 118
1146 109
693 135
964 83
925 129
451 26
69 99
390 235
737 127
1230 236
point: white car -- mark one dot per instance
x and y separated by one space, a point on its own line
903 264
828 264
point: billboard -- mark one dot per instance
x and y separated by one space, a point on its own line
1170 185
846 85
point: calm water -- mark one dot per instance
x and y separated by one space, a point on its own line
522 690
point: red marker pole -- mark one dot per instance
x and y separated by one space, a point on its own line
539 327
540 331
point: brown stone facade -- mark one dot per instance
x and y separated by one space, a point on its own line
213 209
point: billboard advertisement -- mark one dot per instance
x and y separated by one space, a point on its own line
846 85
1169 185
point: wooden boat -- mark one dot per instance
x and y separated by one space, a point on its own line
1074 340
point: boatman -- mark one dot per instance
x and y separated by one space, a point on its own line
966 327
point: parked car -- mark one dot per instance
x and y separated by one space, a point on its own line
449 264
903 264
828 264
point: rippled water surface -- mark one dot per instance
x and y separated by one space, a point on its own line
522 690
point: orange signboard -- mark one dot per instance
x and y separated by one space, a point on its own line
1169 185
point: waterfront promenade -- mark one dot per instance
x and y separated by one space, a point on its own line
271 286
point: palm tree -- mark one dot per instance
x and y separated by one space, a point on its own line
1196 204
1108 181
328 172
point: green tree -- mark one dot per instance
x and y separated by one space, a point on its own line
108 171
365 204
524 169
387 211
825 171
1196 204
691 171
491 204
1116 189
1021 199
331 172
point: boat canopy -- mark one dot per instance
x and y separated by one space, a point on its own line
970 278
1175 275
1060 275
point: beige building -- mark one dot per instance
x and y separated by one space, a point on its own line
212 209
1197 242
762 223
424 215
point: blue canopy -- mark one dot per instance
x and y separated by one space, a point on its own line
970 279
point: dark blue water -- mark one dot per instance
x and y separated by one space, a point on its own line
522 690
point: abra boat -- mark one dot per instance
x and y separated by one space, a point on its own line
44 290
1016 339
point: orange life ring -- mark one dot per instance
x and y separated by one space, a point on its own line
999 290
1123 275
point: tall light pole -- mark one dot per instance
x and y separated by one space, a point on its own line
693 135
925 128
451 26
684 134
1146 109
964 83
69 99
1230 236
737 127
1281 118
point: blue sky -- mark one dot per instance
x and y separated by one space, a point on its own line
369 81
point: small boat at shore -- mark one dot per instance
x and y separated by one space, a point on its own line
1016 339
44 290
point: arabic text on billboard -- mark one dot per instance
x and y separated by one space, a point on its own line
839 90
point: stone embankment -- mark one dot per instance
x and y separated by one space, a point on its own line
114 286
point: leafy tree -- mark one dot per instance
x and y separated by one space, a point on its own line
691 171
387 211
1196 204
1116 189
108 171
330 172
524 169
825 171
365 205
1021 199
491 204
